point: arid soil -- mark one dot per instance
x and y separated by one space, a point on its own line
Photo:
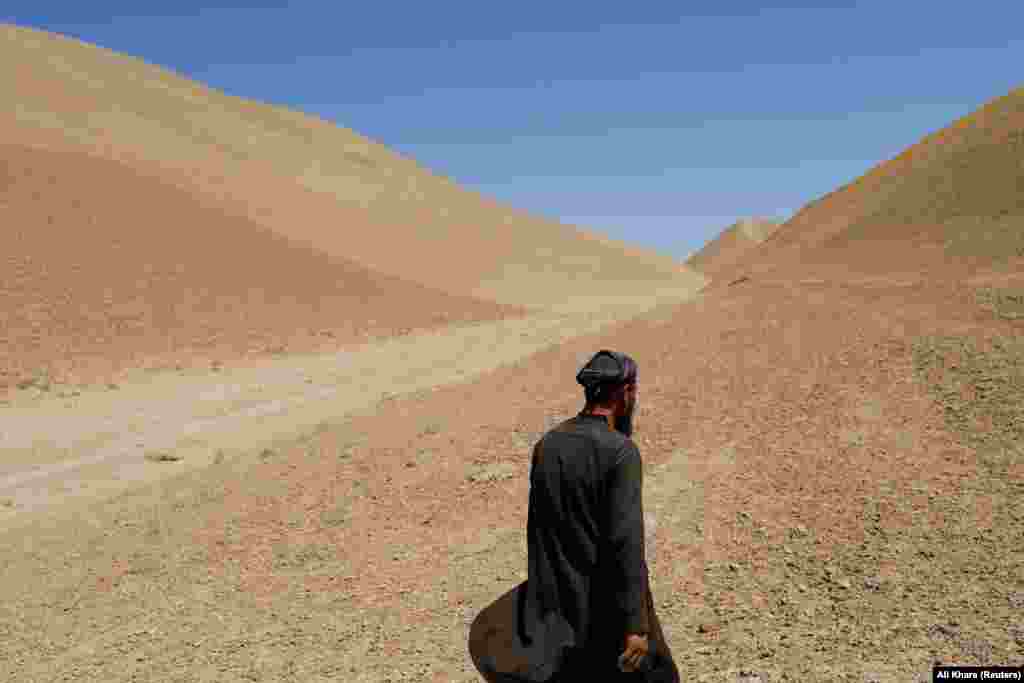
832 484
106 269
62 443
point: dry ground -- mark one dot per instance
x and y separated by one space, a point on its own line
62 443
833 480
106 268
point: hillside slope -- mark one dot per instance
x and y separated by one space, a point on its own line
313 181
102 265
954 199
731 244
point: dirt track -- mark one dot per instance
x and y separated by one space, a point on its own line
72 444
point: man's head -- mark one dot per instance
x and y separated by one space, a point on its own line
609 382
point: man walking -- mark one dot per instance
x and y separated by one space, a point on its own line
586 612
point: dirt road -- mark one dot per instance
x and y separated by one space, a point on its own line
86 444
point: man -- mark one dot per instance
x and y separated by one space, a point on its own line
586 612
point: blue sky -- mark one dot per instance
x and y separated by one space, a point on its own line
658 123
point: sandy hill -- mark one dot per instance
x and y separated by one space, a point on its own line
954 199
312 181
101 263
152 218
732 243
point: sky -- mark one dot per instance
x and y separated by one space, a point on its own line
657 123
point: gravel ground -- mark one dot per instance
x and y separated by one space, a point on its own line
833 484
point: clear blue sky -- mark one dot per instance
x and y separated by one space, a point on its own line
659 123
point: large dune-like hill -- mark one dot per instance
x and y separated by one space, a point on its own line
313 181
145 216
102 264
954 200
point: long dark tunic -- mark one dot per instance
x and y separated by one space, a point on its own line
588 582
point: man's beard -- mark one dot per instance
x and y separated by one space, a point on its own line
624 423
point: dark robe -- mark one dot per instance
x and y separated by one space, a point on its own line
587 584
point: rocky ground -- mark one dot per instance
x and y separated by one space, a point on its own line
833 476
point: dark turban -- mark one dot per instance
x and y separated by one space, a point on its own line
606 371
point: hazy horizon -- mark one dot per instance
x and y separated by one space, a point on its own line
653 126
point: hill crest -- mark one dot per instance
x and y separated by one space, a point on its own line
955 199
313 181
739 238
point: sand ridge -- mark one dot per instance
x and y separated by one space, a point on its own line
160 223
110 268
310 180
949 202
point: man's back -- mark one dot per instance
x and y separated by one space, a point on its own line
587 570
570 466
586 612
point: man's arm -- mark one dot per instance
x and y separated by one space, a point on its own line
626 538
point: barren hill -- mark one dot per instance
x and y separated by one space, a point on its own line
954 199
732 243
157 221
103 266
313 181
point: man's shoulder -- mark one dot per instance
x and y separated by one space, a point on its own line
606 439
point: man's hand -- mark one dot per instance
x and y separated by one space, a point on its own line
636 649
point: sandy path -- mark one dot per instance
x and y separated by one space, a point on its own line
60 449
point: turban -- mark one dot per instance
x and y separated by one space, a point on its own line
606 370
